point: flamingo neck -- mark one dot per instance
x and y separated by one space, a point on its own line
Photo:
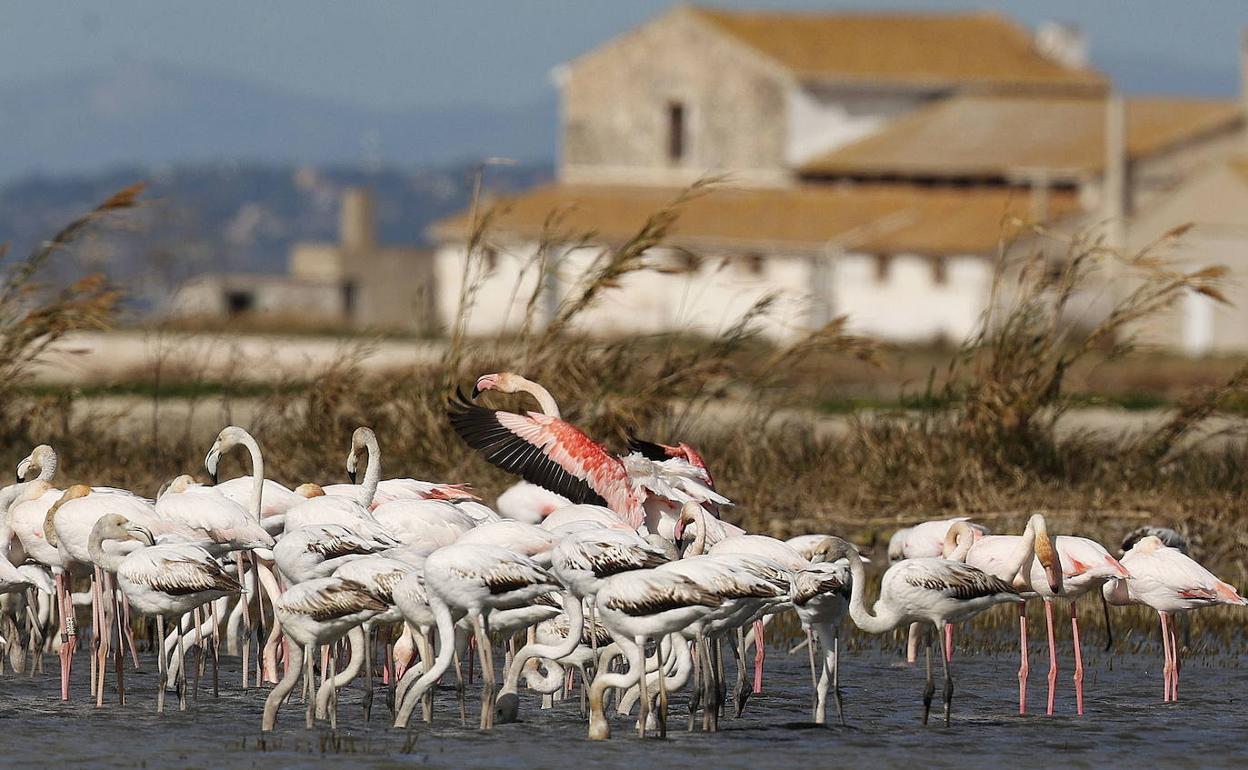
1018 564
576 626
446 649
699 534
105 560
294 668
257 474
874 621
372 474
48 470
545 401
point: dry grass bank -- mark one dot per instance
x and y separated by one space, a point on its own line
986 444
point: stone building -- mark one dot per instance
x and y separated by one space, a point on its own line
870 160
355 282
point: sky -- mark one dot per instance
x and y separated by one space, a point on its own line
391 55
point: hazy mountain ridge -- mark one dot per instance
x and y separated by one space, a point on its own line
150 113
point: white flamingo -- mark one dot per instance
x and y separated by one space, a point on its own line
1171 583
475 580
931 590
317 612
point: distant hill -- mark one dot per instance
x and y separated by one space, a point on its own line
234 217
153 113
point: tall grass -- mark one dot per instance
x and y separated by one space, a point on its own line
987 445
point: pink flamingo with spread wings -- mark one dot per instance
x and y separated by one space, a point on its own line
544 449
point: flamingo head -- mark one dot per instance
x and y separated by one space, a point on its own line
310 490
1046 554
176 485
41 457
229 437
503 382
114 526
360 440
832 548
689 513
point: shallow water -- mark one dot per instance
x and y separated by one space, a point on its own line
1125 721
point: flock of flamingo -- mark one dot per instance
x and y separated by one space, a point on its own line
616 568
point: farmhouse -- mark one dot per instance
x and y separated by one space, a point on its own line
872 165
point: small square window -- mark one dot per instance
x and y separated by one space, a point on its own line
675 131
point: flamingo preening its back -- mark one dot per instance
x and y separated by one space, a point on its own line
1170 582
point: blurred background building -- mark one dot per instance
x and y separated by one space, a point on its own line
356 282
870 165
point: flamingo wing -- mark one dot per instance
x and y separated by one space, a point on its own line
542 450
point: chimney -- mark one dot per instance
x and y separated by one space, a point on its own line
1064 43
355 224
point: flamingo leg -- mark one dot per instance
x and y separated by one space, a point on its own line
368 673
948 694
1024 666
1174 656
929 688
181 669
160 665
949 642
68 632
1109 626
643 708
810 653
697 687
912 643
662 712
1074 632
1048 620
836 674
1165 653
760 654
244 601
486 652
309 674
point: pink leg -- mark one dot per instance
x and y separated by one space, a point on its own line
948 642
1048 620
1165 651
1074 632
1174 658
68 632
1024 666
760 654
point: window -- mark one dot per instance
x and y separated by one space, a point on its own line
940 271
675 131
239 302
881 268
490 255
348 299
753 264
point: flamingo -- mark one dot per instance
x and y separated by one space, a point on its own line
1065 567
529 503
166 580
1170 582
318 550
923 540
820 595
545 450
475 580
636 606
581 561
313 613
376 491
931 590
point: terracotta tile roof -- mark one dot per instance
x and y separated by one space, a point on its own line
884 219
915 49
992 136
